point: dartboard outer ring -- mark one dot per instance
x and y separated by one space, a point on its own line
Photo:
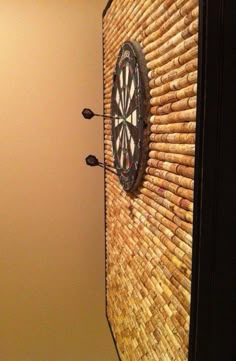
130 179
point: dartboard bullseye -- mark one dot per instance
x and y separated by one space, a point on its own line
130 107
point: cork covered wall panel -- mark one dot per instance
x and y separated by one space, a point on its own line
149 230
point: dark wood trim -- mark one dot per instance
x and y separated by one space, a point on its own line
212 308
106 8
113 338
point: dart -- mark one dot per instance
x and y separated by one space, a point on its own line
92 161
88 114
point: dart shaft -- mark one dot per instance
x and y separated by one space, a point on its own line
102 165
106 116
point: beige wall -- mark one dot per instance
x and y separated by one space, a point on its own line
51 204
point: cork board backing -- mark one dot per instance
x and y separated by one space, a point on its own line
149 232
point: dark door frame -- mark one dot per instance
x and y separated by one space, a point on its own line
213 244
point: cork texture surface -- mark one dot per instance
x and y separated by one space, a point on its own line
149 232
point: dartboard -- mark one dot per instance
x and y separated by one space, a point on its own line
130 109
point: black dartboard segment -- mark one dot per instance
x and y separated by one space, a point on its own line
130 106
